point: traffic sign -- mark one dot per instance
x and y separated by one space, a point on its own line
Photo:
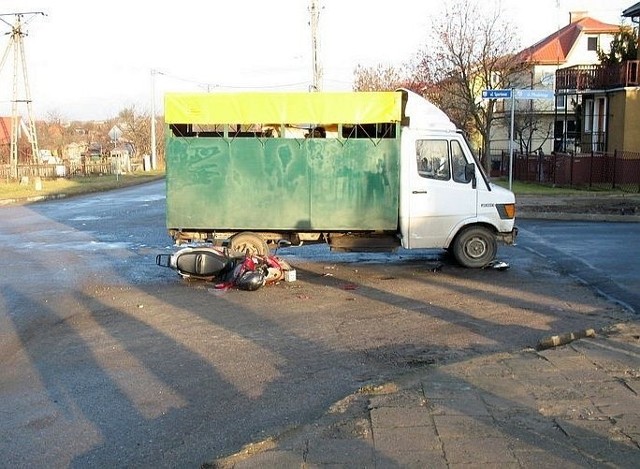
115 133
535 94
496 94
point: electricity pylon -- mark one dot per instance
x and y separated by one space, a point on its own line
16 44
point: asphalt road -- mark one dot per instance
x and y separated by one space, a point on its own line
606 256
108 360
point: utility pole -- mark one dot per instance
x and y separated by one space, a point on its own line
16 44
154 158
511 136
315 46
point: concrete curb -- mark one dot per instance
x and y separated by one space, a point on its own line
28 200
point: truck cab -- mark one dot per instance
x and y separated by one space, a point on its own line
446 198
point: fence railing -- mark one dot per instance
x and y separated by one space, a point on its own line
68 169
594 171
590 77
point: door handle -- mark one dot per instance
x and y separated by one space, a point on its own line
419 192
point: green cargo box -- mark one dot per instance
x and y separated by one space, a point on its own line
282 184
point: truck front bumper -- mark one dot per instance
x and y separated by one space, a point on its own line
509 237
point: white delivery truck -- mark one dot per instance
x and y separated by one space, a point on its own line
364 171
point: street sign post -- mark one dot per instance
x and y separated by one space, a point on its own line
512 95
496 94
535 94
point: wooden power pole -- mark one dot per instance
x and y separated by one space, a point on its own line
315 46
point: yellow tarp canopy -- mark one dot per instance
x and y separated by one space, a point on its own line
282 108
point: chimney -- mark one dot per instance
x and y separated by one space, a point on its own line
577 16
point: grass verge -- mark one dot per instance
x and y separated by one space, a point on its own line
531 188
75 186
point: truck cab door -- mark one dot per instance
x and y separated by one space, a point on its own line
440 190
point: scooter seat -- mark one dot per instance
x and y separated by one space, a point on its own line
201 262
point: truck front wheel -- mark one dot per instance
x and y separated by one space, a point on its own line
249 243
475 247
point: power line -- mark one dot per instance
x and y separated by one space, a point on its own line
208 85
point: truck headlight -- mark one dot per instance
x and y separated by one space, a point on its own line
506 211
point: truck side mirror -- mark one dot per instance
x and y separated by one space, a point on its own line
470 173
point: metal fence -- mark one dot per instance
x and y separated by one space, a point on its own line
593 171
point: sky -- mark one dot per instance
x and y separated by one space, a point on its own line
90 59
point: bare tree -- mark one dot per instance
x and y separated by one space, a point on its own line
378 78
529 128
52 134
470 49
136 129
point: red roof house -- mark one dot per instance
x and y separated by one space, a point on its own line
557 48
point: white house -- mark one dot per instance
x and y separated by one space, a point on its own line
538 125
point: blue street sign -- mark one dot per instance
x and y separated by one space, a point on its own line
496 94
535 94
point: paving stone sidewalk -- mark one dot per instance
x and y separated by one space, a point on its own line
575 405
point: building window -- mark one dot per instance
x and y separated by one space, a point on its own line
561 101
600 115
592 43
588 115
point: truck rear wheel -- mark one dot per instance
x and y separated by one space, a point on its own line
475 247
249 243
